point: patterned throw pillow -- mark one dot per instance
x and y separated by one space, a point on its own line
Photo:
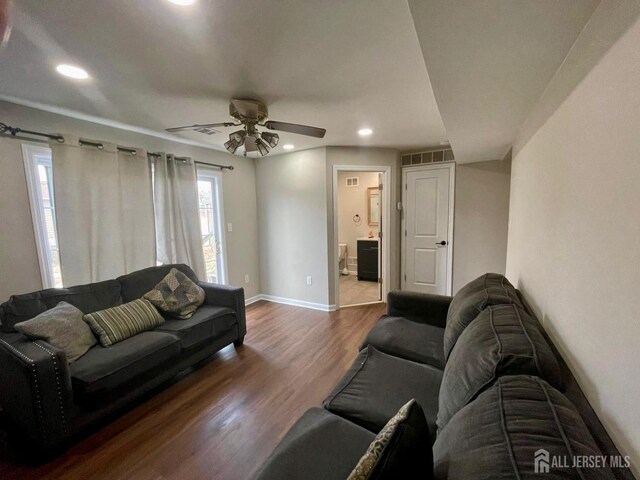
176 294
402 449
119 323
62 327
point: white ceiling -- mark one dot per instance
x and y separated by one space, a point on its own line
340 65
490 61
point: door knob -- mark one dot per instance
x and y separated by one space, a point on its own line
443 243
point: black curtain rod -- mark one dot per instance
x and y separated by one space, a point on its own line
13 131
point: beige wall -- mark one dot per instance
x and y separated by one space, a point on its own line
17 248
292 214
574 236
480 221
353 201
19 269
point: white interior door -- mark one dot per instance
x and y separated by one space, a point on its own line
427 225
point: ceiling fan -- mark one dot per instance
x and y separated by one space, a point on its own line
250 114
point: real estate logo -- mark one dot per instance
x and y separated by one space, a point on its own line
541 461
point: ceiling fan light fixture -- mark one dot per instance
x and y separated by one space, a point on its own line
232 145
365 132
271 138
262 146
238 136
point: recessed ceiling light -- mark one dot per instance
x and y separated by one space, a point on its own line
72 71
288 146
365 132
183 3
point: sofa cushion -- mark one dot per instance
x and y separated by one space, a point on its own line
208 322
119 323
377 385
319 446
402 449
502 340
176 295
87 298
136 284
102 369
62 327
499 434
418 342
475 296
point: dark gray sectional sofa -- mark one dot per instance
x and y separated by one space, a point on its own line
50 400
495 392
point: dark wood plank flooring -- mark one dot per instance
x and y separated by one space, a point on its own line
223 420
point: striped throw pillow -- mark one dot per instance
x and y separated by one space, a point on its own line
119 323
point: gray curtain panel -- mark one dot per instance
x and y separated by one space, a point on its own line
104 211
179 239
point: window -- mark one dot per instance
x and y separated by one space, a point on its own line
37 166
211 221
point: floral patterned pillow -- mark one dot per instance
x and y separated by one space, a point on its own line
402 449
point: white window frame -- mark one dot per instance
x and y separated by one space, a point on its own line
30 153
204 173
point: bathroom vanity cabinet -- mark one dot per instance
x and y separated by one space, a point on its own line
368 259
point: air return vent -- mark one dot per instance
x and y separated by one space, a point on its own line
353 181
425 158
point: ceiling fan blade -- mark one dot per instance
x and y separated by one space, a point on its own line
206 126
250 145
295 128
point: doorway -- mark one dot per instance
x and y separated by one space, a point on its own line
361 204
211 223
427 225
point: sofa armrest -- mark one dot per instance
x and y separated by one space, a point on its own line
230 297
35 388
419 307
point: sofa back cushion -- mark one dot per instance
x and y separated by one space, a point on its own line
136 284
502 340
475 296
501 432
86 298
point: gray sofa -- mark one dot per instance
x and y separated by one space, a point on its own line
50 400
493 388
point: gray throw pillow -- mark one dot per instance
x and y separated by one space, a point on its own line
62 327
502 340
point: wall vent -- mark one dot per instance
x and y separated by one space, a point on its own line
424 158
353 181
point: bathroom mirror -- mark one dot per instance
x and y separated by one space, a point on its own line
373 205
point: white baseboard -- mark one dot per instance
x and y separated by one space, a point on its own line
292 302
254 299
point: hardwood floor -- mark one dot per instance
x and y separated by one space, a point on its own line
223 420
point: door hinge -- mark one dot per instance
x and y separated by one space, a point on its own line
405 278
406 186
380 187
405 233
379 279
379 234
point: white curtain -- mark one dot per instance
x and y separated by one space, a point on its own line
104 211
178 235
